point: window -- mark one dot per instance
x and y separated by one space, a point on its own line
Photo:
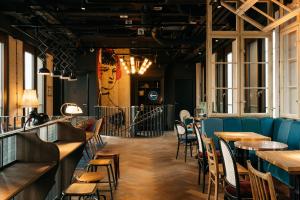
1 78
255 75
224 73
40 87
29 71
289 66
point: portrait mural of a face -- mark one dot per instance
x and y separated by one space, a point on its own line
109 71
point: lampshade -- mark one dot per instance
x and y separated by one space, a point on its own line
65 74
72 77
73 109
70 108
30 99
56 72
44 71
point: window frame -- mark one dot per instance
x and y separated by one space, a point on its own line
269 72
283 32
3 39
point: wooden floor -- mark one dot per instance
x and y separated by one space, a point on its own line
149 170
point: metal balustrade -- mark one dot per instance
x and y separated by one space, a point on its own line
134 121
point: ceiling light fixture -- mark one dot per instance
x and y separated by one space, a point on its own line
135 65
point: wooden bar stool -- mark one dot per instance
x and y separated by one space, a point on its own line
93 166
92 177
81 190
113 156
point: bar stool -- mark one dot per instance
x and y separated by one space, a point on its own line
81 190
113 156
92 177
93 166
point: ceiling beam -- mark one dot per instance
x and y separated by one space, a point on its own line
243 16
282 20
245 6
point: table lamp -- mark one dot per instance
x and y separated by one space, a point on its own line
30 100
70 108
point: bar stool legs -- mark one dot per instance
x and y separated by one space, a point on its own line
94 164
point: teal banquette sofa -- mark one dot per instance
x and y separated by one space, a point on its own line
279 129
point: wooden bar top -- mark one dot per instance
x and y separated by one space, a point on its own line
18 176
286 160
241 136
66 148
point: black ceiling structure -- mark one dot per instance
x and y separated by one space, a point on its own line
169 29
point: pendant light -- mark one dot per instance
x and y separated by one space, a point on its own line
72 77
65 75
44 71
56 72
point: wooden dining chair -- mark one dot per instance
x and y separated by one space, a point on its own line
234 188
184 139
213 166
201 156
262 185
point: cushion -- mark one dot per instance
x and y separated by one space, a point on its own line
251 125
266 126
210 126
293 141
276 125
245 189
284 131
232 124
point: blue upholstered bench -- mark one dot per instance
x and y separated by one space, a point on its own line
282 130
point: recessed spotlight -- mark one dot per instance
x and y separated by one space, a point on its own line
216 40
124 16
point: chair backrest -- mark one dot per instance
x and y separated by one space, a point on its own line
199 139
180 128
262 185
212 157
183 114
98 126
229 165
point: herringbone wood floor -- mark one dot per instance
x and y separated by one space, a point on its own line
149 170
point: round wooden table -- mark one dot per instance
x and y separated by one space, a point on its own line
260 145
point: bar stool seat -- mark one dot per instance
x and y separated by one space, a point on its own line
100 162
81 189
91 177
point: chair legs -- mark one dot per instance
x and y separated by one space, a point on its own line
178 144
203 176
185 150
